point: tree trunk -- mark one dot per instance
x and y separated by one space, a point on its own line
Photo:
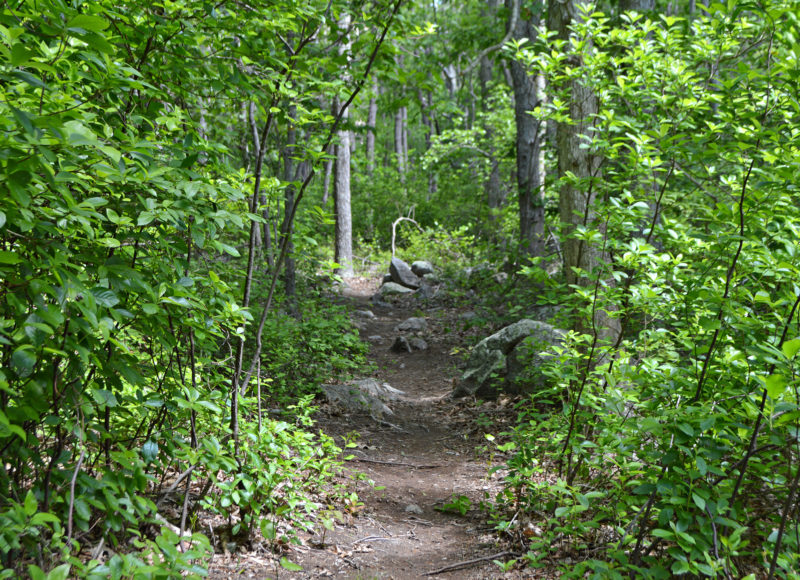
529 140
577 196
372 116
326 184
427 123
266 237
344 222
398 144
288 227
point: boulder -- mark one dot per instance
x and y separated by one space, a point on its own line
412 325
421 268
364 314
432 278
417 343
497 358
363 395
401 274
393 289
386 278
401 344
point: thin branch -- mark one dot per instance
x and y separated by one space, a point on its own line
466 563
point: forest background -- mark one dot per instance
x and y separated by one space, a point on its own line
179 178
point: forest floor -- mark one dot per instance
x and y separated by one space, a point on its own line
430 451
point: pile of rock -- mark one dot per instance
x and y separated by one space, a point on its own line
403 279
410 338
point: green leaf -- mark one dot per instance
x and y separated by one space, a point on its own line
23 360
104 297
699 501
291 566
775 385
790 347
9 257
2 219
150 451
30 505
59 573
88 23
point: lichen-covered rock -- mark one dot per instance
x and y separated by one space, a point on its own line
401 274
421 268
363 395
494 360
412 325
393 289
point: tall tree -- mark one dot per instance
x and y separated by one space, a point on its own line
578 168
341 182
523 24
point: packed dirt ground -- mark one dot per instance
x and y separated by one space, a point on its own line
428 452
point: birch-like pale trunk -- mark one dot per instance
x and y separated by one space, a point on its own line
341 180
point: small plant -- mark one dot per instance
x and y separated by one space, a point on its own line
459 504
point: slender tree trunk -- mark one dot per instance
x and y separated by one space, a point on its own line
398 144
326 184
427 123
530 137
372 116
289 193
344 222
266 238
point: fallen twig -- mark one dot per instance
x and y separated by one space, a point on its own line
459 565
397 463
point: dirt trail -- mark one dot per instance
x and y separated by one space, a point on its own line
423 456
422 461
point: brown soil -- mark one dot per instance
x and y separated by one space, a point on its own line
431 450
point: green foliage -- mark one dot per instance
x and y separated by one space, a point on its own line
123 205
675 447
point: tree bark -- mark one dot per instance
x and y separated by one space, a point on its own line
577 196
287 228
530 137
372 117
344 221
398 144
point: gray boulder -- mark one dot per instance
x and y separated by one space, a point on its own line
421 268
386 278
363 395
417 343
498 358
401 344
412 325
364 314
393 289
401 274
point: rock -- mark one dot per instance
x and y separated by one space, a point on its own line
498 356
417 343
364 395
412 325
401 274
364 314
500 278
432 278
393 289
401 344
387 278
421 268
413 508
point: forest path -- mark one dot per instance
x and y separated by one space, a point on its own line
423 456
